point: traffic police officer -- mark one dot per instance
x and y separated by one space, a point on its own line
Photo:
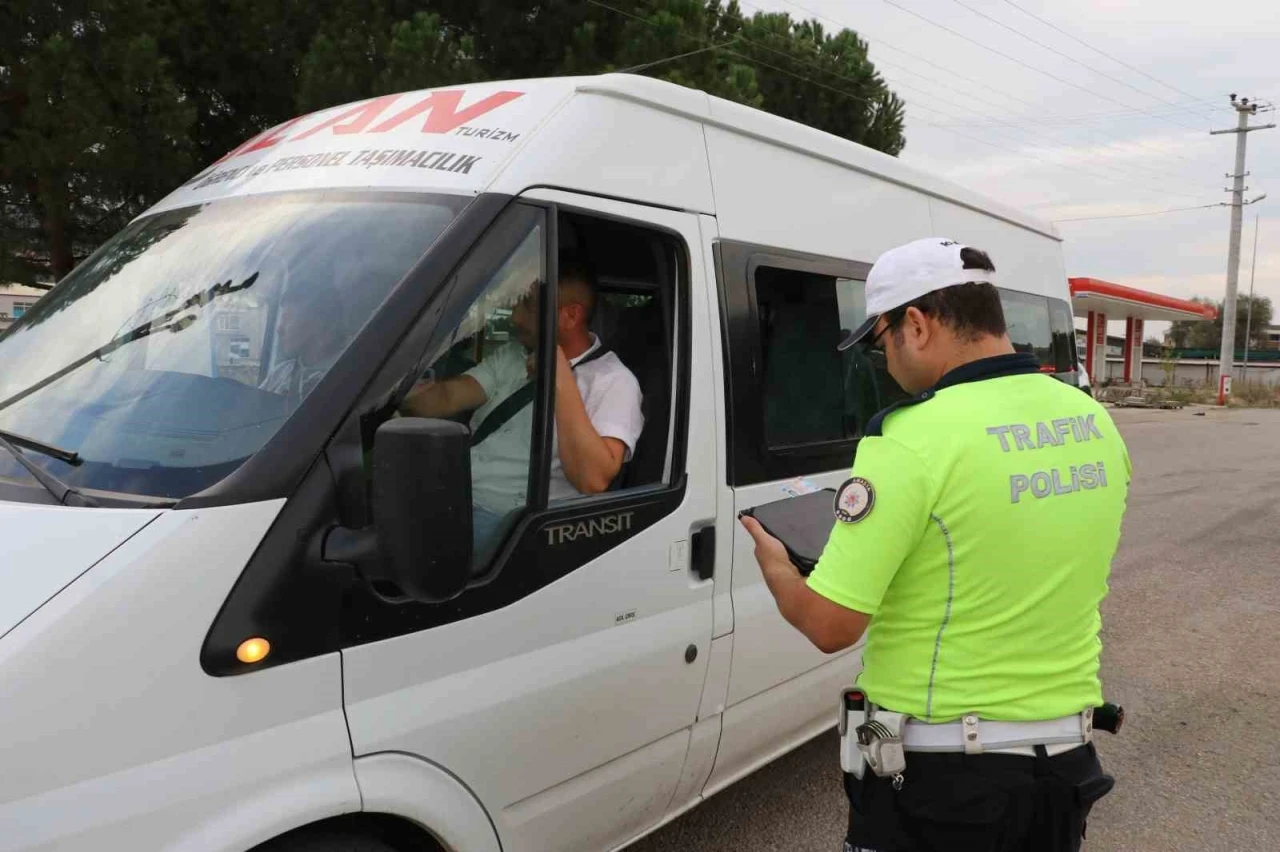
972 544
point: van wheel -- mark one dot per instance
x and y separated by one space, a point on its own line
308 841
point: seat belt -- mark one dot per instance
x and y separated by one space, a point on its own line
514 404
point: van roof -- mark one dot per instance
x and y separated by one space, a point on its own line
802 138
462 138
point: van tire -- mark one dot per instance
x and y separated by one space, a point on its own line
317 841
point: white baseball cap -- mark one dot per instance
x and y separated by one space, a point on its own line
904 274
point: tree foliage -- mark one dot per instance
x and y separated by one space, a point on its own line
107 104
1198 334
93 126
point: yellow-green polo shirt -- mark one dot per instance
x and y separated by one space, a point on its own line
998 498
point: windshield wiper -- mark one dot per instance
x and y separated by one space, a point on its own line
63 493
164 322
68 456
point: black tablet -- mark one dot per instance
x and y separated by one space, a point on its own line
803 524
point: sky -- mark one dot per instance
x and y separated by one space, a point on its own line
1107 114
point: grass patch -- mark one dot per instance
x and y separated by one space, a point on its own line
1254 395
1243 395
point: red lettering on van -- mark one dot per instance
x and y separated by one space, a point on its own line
360 118
441 108
443 113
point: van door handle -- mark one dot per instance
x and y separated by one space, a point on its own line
702 553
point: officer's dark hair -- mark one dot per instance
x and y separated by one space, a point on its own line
972 310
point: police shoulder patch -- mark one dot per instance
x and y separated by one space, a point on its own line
854 500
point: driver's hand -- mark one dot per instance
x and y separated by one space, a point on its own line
415 391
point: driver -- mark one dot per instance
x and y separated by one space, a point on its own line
309 337
597 407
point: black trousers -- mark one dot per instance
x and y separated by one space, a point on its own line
978 803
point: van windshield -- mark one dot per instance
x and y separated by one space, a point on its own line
176 351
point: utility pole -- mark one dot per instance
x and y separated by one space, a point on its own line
1248 323
1226 356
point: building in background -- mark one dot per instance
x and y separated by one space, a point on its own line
16 300
1273 335
1115 344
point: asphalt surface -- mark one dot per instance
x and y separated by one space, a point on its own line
1191 649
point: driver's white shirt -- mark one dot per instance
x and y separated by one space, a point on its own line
500 463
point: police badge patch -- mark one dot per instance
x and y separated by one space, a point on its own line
854 500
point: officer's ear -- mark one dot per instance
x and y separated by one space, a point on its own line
916 328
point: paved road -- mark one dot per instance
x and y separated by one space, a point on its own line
1192 651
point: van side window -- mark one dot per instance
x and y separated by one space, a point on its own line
1063 325
811 393
1042 327
1027 319
485 372
636 272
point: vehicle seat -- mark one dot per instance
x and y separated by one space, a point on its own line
642 343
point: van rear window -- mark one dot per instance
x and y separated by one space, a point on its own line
1041 326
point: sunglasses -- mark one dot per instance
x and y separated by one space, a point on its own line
871 345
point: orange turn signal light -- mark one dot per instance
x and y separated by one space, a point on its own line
253 650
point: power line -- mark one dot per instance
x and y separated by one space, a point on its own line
1037 137
1028 66
1135 215
1014 139
879 42
1055 51
1113 173
1078 121
1075 120
642 66
1127 112
1059 118
882 43
697 40
998 123
1074 169
1090 134
1066 146
1078 40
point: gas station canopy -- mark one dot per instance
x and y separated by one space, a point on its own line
1120 302
1099 301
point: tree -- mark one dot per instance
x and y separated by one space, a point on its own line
237 62
791 68
1198 334
366 49
81 150
1168 366
832 84
105 105
1257 322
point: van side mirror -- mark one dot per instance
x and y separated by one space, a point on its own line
420 540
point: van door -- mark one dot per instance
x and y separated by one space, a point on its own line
563 690
796 408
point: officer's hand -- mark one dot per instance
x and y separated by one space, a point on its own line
770 552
